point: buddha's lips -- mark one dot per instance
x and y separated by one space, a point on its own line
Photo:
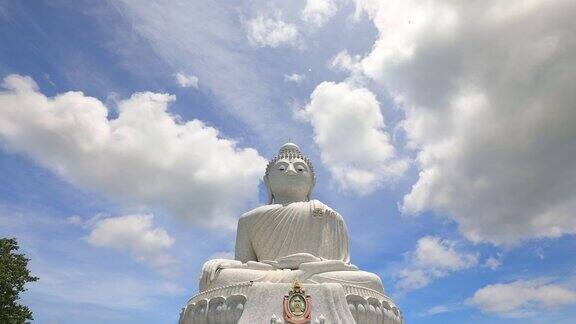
294 177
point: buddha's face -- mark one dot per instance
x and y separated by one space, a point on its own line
290 180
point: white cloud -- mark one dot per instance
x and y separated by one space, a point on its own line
493 262
349 130
345 62
75 220
78 287
486 88
186 81
209 40
271 31
136 235
438 253
441 309
85 284
296 78
433 258
144 156
520 298
412 279
318 12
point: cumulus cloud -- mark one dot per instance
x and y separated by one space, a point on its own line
144 156
350 133
433 258
486 89
296 78
345 62
318 12
186 81
520 298
271 31
136 235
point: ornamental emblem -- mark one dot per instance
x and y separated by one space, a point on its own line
317 212
297 305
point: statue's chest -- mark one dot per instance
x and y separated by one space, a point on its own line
289 232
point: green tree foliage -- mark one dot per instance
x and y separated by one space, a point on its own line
14 274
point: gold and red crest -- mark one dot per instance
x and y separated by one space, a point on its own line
297 305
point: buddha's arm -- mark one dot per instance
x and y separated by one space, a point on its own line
244 251
244 254
346 242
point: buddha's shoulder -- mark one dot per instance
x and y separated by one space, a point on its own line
316 206
321 207
257 211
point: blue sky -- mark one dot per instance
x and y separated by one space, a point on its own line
133 134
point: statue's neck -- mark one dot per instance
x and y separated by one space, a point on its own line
288 200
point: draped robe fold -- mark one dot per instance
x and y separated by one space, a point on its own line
271 232
305 240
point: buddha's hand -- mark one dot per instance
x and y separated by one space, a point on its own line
211 268
312 268
293 261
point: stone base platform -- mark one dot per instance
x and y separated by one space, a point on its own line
250 303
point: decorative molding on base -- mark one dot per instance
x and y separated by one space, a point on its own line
225 305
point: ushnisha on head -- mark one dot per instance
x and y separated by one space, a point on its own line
289 176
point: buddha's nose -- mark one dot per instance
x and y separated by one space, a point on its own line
290 170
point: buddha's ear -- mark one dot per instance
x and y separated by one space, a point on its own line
270 195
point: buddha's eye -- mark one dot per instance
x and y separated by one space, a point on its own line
281 168
300 167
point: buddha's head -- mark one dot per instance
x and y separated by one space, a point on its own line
289 176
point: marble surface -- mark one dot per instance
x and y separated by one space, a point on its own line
265 300
262 303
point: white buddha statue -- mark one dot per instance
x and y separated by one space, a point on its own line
293 237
